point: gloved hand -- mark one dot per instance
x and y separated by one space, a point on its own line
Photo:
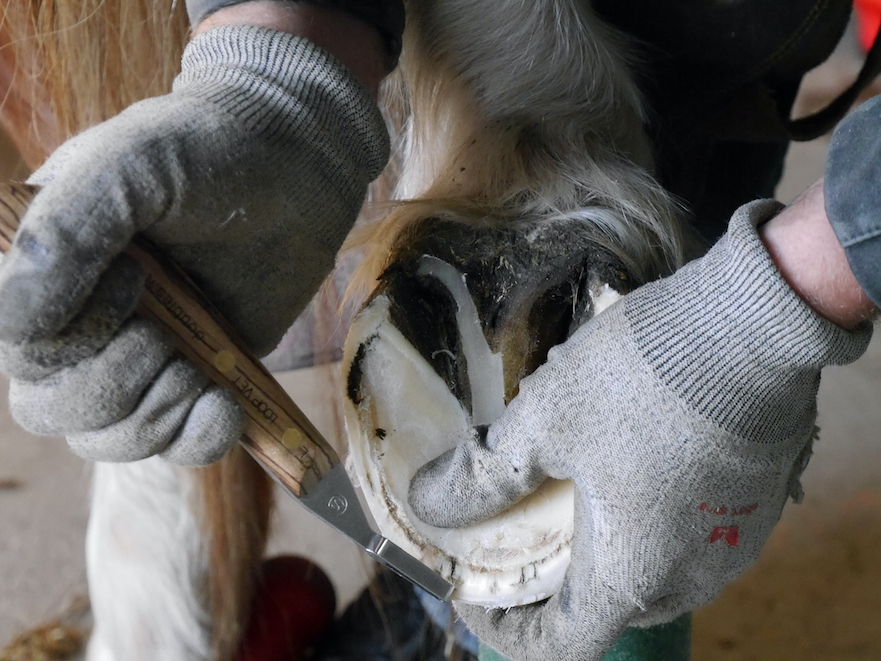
684 414
249 175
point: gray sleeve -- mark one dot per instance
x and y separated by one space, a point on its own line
387 16
853 193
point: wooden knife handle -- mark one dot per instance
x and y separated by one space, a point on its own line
277 433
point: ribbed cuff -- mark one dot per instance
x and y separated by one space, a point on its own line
727 330
387 16
285 88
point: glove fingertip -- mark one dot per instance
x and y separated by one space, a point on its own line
65 242
471 483
213 426
91 330
26 412
428 494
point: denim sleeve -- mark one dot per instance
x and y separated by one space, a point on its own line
387 16
853 193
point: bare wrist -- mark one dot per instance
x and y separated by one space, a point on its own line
802 244
355 43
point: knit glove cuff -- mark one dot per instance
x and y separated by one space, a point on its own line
738 333
286 89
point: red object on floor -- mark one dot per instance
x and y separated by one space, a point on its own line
868 15
293 610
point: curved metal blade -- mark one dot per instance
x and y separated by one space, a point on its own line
335 501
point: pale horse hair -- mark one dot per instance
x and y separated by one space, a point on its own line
506 110
511 110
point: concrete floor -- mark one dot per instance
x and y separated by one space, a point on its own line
781 604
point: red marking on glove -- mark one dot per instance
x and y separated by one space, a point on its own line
729 534
740 510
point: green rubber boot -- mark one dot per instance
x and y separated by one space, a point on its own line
665 642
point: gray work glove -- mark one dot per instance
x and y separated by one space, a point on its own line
249 175
684 414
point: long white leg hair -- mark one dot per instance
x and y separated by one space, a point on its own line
171 554
143 548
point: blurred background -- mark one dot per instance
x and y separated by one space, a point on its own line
815 594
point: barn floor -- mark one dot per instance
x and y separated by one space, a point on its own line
815 594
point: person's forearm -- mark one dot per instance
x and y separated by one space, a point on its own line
355 43
802 244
